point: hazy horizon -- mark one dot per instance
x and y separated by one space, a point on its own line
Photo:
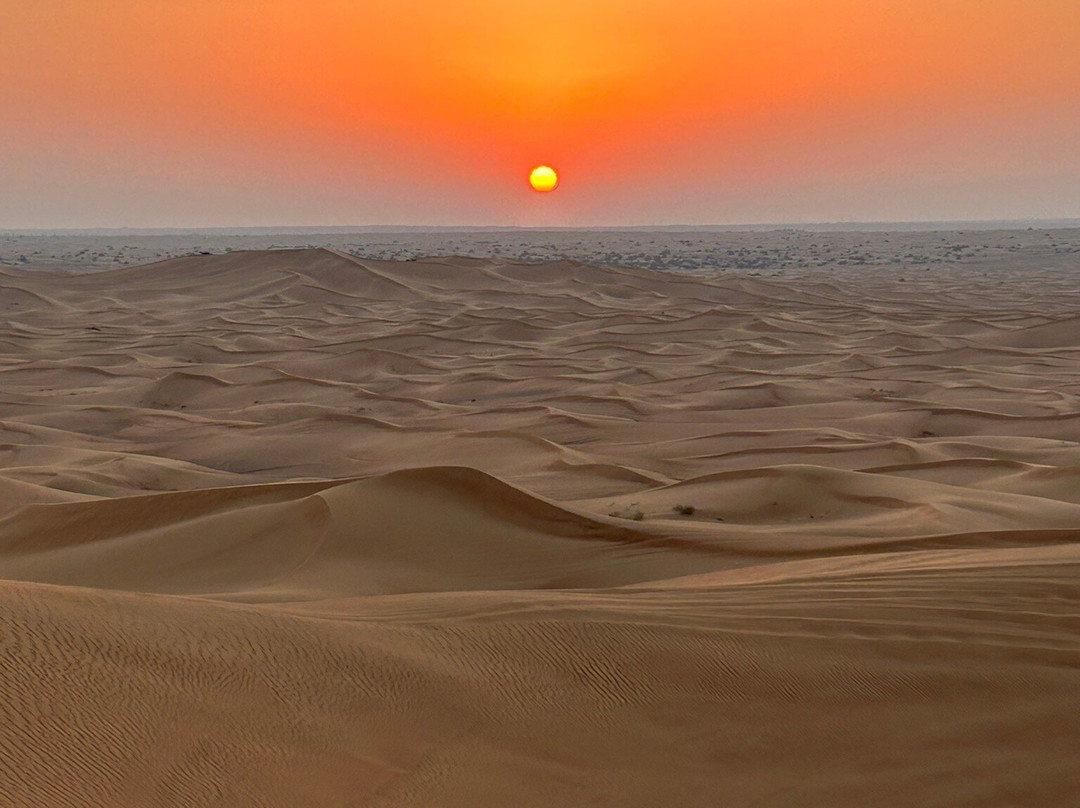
812 227
149 114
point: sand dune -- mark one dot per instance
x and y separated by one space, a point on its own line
301 529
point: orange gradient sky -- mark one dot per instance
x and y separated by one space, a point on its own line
237 112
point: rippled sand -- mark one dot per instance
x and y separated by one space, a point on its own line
294 528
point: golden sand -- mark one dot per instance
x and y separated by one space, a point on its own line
299 529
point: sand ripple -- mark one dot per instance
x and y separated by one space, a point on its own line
301 529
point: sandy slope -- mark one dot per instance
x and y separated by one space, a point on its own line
296 529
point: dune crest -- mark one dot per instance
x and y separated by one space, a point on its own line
297 528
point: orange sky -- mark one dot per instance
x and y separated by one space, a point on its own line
237 112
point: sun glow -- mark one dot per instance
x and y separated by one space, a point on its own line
544 179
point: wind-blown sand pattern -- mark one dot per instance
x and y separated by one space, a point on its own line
300 529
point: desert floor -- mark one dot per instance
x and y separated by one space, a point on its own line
298 528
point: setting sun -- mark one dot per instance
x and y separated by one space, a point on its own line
544 179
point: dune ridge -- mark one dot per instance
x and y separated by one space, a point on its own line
298 528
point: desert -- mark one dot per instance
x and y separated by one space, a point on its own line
686 519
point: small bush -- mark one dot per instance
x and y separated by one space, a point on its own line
638 516
684 510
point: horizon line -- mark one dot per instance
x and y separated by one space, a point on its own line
862 225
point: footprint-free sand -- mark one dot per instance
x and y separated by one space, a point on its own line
296 528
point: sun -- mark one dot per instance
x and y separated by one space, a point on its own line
544 179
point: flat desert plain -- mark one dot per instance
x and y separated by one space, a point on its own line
297 528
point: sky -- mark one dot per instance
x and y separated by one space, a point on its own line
198 113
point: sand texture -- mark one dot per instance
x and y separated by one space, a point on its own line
295 528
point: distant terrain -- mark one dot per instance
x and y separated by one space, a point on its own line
784 251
